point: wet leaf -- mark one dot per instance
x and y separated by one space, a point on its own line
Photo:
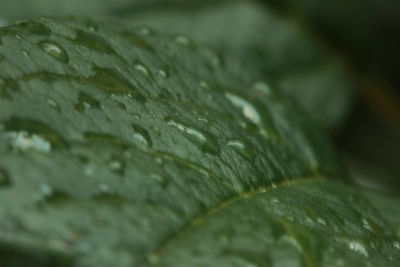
182 161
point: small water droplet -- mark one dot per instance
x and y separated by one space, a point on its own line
4 178
371 226
117 165
321 220
53 104
359 247
104 188
163 73
159 179
86 101
204 85
396 245
121 106
241 147
54 50
181 39
262 87
144 70
24 141
248 110
145 30
142 135
274 200
204 140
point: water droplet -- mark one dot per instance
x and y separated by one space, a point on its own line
204 140
396 245
137 41
240 147
248 110
159 179
53 104
321 220
117 165
358 247
142 135
104 188
121 106
113 82
181 39
54 50
27 134
262 87
86 101
163 73
371 226
204 85
145 30
4 178
142 69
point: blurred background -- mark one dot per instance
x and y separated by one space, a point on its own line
340 59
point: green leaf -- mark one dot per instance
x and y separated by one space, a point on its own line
128 147
273 45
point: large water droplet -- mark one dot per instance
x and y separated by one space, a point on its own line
204 140
241 147
55 50
141 135
30 134
86 101
4 178
248 110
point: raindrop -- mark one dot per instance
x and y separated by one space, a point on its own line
24 141
86 101
159 179
117 165
240 147
181 39
53 104
142 135
248 110
142 69
358 247
54 50
262 87
4 178
204 140
321 220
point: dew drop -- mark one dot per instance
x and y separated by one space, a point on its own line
144 70
53 104
200 138
4 178
240 147
183 40
142 135
24 141
163 73
86 101
117 165
358 247
248 110
54 50
396 245
262 87
321 220
159 179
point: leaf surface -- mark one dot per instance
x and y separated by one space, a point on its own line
128 147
